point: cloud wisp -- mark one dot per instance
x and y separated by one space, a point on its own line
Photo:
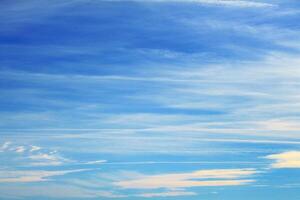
167 194
289 159
5 146
229 3
220 177
34 155
11 176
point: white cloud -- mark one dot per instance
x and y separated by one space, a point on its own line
290 159
20 149
95 162
44 159
235 3
167 194
231 3
33 155
30 176
53 190
43 156
220 177
280 125
5 146
35 148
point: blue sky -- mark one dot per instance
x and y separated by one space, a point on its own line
150 99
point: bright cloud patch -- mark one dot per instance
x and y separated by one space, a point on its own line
30 176
290 159
222 177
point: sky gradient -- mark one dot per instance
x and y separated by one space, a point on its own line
150 99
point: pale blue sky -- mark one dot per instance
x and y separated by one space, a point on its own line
149 99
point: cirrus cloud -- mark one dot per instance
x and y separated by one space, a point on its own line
289 159
219 177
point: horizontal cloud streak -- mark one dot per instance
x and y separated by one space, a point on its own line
167 194
193 179
31 175
290 159
232 3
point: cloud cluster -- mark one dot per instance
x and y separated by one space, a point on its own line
34 155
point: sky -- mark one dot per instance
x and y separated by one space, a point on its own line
149 99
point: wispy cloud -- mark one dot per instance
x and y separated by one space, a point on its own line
205 83
280 125
33 155
35 148
232 3
20 149
55 191
95 162
167 194
226 177
5 146
31 175
238 3
289 159
45 159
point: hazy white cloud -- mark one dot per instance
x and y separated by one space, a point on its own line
231 3
43 156
280 125
45 159
167 194
7 176
33 154
35 148
20 149
5 146
290 159
53 190
235 3
220 177
95 162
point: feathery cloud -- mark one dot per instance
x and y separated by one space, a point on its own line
95 162
20 149
167 194
232 3
35 148
290 159
4 146
46 159
220 177
9 176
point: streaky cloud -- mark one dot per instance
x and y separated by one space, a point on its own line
167 194
289 159
220 177
11 176
230 3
